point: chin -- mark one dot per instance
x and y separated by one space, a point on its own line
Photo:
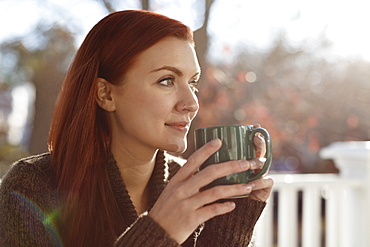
182 150
177 147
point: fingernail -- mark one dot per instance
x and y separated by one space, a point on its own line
253 164
244 164
248 187
214 142
231 204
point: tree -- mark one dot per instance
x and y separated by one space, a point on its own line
43 63
201 36
109 5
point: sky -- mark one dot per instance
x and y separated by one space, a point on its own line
250 22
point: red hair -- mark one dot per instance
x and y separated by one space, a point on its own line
80 134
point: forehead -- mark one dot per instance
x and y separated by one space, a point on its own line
170 51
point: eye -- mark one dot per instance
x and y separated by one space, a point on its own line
193 85
167 82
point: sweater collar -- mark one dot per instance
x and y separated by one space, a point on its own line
156 184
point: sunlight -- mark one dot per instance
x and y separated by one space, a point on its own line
345 22
250 22
23 99
256 23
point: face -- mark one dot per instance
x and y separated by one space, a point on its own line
156 103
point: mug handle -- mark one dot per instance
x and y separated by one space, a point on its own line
267 164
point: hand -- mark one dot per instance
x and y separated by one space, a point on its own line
182 207
261 187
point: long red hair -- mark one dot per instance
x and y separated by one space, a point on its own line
80 134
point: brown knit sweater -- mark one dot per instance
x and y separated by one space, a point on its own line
28 198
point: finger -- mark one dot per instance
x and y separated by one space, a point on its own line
197 159
215 171
221 192
205 213
261 188
262 183
260 144
257 163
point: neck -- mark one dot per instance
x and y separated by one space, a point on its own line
136 170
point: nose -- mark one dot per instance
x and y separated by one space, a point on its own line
187 101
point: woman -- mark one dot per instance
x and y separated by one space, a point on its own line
128 96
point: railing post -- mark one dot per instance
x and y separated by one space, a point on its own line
265 226
353 161
311 217
287 217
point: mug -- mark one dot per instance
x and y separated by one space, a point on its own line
237 144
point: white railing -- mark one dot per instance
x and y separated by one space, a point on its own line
321 210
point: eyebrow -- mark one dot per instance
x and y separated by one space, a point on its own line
173 69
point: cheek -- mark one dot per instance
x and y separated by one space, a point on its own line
160 106
150 113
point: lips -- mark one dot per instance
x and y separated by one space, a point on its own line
180 126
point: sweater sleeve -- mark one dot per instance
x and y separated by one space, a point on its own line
234 229
26 220
145 232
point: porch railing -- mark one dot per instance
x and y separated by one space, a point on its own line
321 210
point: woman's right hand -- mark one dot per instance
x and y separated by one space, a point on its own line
182 206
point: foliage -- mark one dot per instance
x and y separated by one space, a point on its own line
304 100
41 58
23 57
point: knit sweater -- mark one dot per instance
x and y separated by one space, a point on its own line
28 198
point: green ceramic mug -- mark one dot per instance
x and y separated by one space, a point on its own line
237 144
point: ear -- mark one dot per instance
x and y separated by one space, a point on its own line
104 97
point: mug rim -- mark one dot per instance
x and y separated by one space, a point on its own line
225 126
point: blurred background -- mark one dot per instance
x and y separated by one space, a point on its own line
300 68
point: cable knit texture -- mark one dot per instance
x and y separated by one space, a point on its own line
29 201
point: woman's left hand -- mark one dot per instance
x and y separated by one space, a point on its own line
262 187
